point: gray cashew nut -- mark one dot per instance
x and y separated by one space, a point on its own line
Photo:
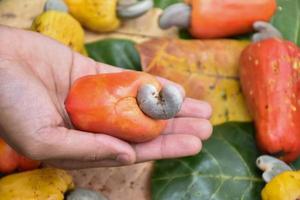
132 9
58 5
175 15
84 194
159 105
265 31
271 167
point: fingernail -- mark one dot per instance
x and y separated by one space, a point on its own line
123 158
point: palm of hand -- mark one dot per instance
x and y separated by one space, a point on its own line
35 76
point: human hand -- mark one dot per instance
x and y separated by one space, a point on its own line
36 73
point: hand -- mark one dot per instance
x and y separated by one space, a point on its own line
36 73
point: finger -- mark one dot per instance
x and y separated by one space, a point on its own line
165 82
195 108
168 146
74 164
200 128
62 143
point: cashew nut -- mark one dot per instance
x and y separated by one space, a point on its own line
58 5
159 105
130 9
265 31
84 194
271 166
175 15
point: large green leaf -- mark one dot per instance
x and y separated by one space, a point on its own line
165 3
296 164
224 170
287 19
117 52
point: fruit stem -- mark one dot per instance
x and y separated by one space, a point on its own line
265 30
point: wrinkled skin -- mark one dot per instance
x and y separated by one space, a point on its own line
35 75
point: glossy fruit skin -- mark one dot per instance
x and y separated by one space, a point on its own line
62 27
223 18
98 16
285 186
39 184
106 103
26 164
270 79
11 161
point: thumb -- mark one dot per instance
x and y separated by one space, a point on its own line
62 143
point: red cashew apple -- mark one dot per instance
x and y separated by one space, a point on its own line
217 18
10 160
126 105
270 79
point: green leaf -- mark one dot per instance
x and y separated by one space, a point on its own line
296 164
165 3
117 52
184 34
224 170
287 19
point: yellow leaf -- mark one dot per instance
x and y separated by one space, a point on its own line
207 69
